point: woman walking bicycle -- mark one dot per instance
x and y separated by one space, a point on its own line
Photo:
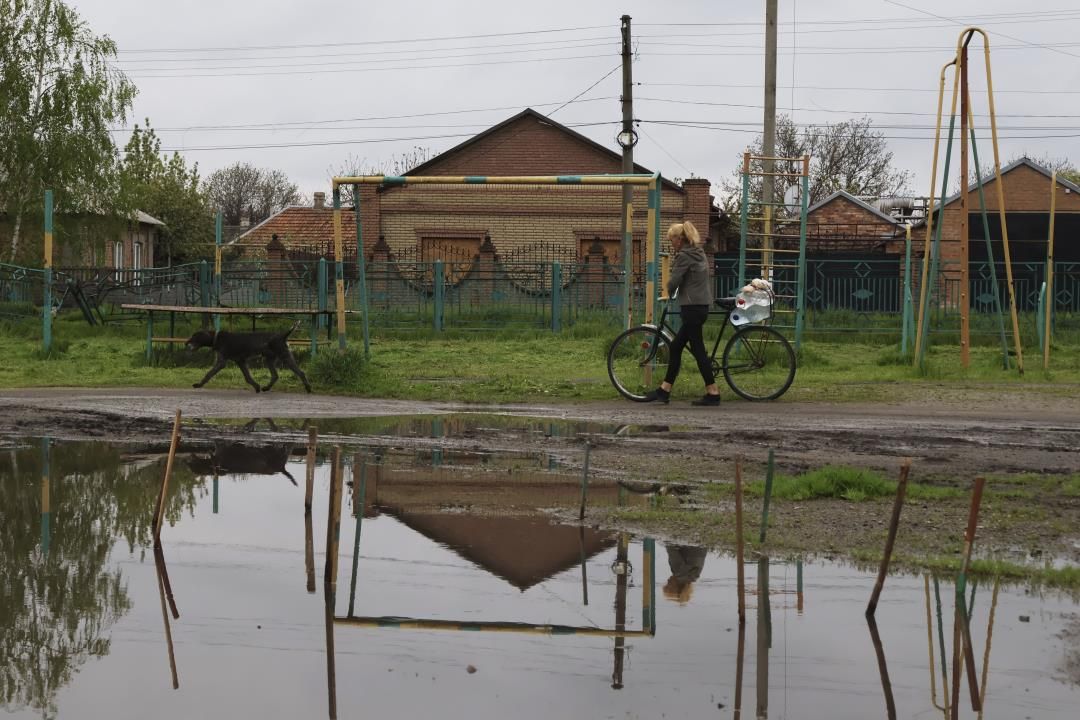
690 279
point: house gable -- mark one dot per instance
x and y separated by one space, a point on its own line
529 144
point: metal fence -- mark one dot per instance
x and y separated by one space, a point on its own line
853 294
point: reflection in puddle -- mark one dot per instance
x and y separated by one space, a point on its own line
467 614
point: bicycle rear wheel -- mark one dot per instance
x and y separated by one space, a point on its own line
637 361
759 364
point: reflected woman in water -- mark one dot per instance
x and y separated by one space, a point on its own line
686 563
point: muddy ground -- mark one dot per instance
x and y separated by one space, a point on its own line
950 435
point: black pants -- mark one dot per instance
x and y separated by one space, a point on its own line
693 319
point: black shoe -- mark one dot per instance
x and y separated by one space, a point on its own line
706 400
660 394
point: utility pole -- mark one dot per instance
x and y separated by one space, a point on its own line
768 137
626 141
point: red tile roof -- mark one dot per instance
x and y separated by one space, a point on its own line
300 227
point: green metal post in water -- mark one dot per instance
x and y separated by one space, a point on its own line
215 494
359 514
361 272
439 287
768 494
556 296
46 310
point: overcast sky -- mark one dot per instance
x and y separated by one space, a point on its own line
319 79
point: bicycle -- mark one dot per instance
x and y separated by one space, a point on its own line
758 362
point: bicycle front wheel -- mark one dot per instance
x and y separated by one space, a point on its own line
637 361
759 364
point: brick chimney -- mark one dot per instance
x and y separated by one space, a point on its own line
320 200
696 204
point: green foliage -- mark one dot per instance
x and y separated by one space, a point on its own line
59 96
59 348
338 370
168 190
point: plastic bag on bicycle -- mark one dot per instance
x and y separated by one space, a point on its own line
753 304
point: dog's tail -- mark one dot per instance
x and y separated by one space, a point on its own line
291 330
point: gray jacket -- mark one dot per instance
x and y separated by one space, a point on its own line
690 276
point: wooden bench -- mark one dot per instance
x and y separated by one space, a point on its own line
253 312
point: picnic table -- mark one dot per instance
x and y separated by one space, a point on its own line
254 312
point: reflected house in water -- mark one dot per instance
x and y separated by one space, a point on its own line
524 553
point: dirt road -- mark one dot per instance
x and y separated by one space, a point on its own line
946 432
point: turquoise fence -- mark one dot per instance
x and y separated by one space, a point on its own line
863 295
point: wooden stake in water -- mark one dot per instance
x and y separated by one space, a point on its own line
894 523
584 482
739 540
159 513
313 442
962 634
883 668
165 589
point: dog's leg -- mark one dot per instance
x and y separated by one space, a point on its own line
219 364
271 365
247 375
290 362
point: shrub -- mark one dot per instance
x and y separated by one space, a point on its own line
331 369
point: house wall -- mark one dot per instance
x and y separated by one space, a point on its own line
1026 190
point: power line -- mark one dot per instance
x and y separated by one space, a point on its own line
353 70
854 89
839 111
362 141
922 138
365 42
551 44
921 25
957 22
329 63
286 124
883 20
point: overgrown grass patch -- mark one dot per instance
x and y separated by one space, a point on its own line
845 483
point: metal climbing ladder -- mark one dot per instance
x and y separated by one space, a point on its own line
772 244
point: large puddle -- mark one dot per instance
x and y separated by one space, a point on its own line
443 607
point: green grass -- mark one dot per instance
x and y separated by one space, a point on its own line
506 365
844 483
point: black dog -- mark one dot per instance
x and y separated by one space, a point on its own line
240 347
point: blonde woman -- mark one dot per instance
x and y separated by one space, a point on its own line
690 277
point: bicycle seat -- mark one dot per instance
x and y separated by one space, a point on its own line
727 303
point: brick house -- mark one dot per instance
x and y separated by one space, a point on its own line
429 222
1027 212
842 222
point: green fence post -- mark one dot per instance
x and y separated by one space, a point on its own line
438 281
556 297
217 268
47 276
905 316
321 298
215 494
768 494
149 336
361 272
1040 316
204 283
